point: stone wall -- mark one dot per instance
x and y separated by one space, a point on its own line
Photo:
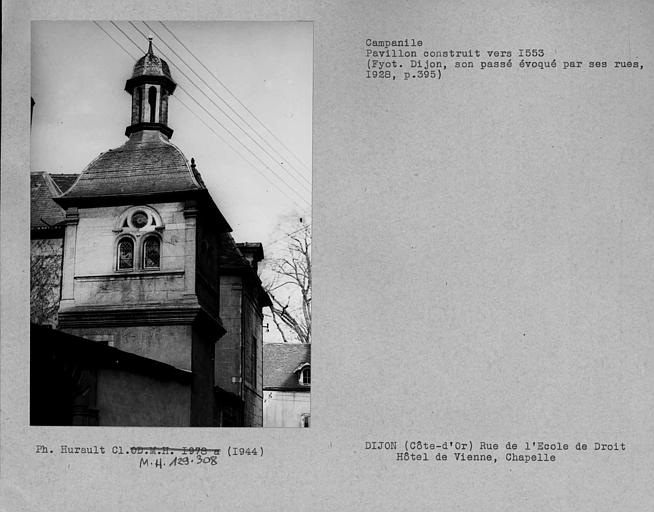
285 408
228 348
253 337
170 344
242 319
95 244
129 399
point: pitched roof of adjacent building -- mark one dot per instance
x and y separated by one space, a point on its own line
44 212
252 251
46 342
146 164
64 181
233 261
280 363
229 255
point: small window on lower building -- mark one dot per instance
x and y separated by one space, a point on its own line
305 376
305 420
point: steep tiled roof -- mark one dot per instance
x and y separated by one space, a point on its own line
146 164
44 212
280 361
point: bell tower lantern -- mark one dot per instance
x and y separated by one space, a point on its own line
150 87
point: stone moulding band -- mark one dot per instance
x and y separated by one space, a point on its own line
151 274
132 316
127 317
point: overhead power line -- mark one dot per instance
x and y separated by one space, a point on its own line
115 41
254 130
234 96
264 175
303 228
192 82
300 196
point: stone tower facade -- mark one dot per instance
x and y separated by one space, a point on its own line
140 269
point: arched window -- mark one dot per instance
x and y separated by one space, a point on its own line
139 104
125 254
151 252
305 376
152 100
305 420
139 234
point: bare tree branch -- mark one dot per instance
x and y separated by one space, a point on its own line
45 274
289 288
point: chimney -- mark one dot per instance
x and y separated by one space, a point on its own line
251 251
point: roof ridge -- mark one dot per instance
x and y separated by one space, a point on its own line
54 188
197 180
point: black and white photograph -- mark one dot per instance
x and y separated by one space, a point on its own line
408 244
170 268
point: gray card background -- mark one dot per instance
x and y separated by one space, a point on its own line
482 271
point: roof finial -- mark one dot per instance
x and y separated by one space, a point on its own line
150 44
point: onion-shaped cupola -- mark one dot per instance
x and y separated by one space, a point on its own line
150 87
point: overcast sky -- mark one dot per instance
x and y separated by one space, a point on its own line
78 79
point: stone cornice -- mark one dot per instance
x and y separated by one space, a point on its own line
129 275
140 315
165 129
125 315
